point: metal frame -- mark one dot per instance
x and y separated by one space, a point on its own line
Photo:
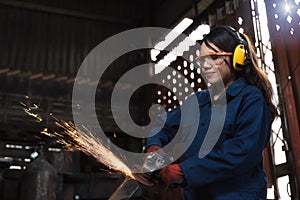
288 96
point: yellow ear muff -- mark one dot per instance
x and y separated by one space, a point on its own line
239 57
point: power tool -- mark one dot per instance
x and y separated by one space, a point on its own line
148 174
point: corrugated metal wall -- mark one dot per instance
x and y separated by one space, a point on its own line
39 39
42 45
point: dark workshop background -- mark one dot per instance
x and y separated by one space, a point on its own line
44 42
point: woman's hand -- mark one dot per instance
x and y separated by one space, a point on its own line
172 175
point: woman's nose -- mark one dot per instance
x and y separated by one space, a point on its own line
206 64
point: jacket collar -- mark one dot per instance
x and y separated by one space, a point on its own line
233 90
236 87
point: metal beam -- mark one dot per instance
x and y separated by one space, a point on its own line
67 12
286 53
171 12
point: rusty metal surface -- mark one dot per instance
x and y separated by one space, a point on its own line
285 40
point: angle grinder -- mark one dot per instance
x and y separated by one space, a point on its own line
148 174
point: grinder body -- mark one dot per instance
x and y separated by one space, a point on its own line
149 172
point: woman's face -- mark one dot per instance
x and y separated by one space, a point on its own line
214 68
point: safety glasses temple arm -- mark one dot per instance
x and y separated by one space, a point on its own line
214 54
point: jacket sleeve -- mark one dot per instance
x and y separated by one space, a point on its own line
238 154
164 128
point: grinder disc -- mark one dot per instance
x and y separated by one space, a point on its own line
143 178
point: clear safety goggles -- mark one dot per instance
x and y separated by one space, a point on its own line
216 58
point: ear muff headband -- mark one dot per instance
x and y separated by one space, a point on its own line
240 54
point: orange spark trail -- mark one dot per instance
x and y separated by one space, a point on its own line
84 141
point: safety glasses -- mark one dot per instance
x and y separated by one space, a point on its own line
212 58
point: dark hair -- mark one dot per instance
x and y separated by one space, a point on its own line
224 39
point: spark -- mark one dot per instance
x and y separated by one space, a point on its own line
86 141
29 109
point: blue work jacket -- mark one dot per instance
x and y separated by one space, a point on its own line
233 168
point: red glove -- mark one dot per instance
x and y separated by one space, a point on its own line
152 148
171 175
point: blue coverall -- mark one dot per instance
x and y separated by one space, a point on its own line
233 169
